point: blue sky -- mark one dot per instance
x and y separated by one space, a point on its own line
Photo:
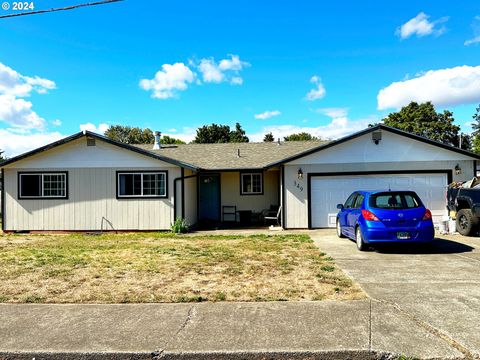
281 66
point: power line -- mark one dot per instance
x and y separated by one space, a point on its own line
60 9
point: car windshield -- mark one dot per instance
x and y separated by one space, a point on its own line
395 200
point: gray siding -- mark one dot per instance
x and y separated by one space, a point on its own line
296 199
230 192
92 204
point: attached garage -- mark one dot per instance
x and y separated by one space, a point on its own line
378 158
327 191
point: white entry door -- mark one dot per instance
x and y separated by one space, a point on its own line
328 191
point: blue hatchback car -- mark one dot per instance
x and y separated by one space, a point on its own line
371 217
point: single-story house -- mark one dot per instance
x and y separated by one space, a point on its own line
87 182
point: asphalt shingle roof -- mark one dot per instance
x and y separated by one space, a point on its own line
225 156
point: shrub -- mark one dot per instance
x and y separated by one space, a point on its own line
180 226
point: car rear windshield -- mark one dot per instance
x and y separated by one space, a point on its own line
395 200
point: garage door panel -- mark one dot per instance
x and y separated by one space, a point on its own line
328 191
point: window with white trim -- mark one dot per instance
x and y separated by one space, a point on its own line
142 184
42 185
251 183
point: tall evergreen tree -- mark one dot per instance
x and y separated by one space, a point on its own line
302 136
238 135
268 137
476 131
423 119
211 134
130 135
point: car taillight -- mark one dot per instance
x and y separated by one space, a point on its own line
368 215
428 215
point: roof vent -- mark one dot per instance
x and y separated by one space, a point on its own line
90 141
238 152
156 145
278 141
376 137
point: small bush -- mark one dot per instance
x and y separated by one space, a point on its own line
180 226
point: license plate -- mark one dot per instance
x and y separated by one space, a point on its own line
403 235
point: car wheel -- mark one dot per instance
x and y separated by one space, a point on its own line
339 229
359 240
467 223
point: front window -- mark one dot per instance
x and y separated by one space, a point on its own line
142 184
251 183
42 185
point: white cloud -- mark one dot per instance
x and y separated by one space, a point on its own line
187 134
421 26
210 71
236 80
56 122
169 81
173 78
100 129
472 41
444 87
267 114
18 113
338 127
224 70
333 112
318 92
476 32
15 143
13 83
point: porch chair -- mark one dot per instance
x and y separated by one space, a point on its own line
269 215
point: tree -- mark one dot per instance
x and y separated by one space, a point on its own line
422 119
238 135
2 158
167 140
476 131
211 134
303 136
268 137
130 135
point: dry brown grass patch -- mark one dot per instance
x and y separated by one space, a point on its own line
162 267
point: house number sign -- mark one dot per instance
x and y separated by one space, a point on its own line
298 185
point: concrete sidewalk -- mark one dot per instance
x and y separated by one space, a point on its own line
315 330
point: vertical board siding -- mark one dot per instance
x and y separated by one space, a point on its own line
92 197
230 192
191 198
296 211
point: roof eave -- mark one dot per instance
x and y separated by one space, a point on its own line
100 137
371 129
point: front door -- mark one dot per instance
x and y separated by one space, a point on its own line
209 198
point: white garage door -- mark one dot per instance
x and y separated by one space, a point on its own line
328 191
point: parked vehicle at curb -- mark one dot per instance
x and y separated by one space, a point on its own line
372 217
464 207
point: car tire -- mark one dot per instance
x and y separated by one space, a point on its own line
359 239
339 229
467 223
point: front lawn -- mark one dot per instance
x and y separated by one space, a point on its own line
161 267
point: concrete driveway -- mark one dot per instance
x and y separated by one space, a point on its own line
436 286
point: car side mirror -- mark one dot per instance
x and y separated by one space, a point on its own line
339 206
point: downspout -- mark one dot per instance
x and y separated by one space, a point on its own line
183 192
282 202
3 200
182 177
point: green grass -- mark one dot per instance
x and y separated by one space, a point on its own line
161 267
